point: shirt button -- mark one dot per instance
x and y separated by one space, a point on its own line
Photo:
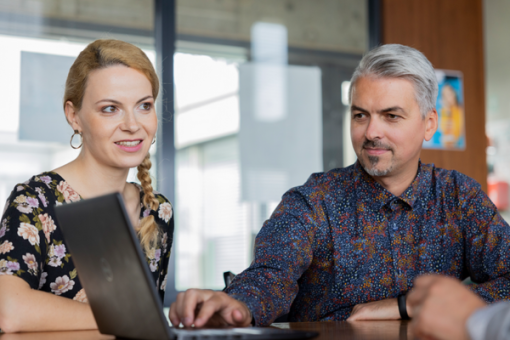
395 226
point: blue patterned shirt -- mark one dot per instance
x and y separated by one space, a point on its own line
341 239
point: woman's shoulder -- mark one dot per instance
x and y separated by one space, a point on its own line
161 198
48 179
38 190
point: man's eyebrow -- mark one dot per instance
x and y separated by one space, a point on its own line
392 109
117 102
356 108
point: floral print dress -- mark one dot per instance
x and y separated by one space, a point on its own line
32 246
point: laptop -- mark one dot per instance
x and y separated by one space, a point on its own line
117 280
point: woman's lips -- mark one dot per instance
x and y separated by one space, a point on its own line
130 146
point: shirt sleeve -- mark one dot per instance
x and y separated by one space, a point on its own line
22 239
490 323
283 251
487 248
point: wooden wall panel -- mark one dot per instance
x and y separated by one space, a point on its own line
450 34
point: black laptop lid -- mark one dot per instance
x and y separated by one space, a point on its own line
111 268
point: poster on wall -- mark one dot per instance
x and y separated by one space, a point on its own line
450 134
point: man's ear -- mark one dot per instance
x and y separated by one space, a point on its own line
72 116
430 124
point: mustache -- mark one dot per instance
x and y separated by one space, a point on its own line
375 144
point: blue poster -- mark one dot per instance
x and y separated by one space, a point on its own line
450 134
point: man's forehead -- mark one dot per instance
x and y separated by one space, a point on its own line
383 93
376 80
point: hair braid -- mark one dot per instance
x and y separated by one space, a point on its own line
148 230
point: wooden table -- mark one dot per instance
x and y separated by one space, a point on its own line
361 330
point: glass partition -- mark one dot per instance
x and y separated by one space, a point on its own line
258 90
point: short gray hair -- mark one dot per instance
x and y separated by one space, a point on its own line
399 61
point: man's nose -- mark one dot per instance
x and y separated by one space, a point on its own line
374 129
130 123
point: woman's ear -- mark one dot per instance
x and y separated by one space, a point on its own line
72 116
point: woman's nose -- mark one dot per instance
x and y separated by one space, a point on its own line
130 123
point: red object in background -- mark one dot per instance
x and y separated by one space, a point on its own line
498 193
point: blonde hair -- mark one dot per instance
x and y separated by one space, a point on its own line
101 54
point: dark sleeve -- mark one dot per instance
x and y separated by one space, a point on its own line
166 223
283 251
487 246
22 239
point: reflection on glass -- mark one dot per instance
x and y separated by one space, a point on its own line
213 226
348 150
269 57
206 96
233 165
280 153
19 160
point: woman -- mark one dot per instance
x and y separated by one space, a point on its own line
451 117
109 102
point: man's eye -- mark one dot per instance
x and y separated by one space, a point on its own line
359 115
392 117
109 109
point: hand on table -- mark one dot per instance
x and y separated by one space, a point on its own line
202 307
441 307
386 309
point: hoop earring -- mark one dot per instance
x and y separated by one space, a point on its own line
81 138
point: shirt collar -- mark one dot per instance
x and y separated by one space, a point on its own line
377 196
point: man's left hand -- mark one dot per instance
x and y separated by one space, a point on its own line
378 310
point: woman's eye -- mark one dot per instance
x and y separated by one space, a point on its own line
108 109
146 106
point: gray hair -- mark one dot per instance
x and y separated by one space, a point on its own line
399 61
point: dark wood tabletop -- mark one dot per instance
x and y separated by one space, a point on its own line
361 330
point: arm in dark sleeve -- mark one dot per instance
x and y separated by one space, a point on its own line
283 251
23 244
487 247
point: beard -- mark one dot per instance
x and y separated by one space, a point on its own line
371 168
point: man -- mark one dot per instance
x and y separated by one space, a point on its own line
444 308
350 241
